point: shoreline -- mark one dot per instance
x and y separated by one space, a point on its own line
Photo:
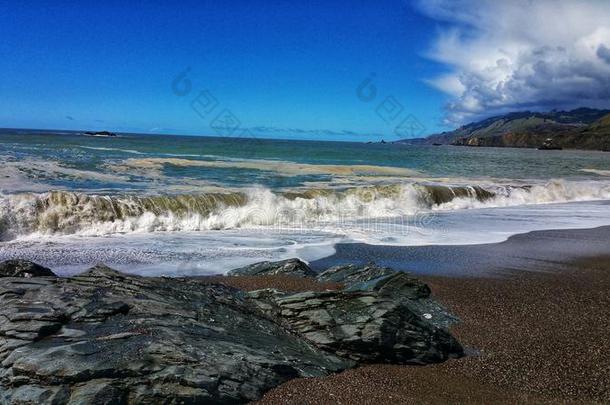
529 336
543 250
496 147
535 330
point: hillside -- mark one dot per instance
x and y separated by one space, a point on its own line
582 128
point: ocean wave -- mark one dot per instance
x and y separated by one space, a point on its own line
282 167
132 151
599 172
62 212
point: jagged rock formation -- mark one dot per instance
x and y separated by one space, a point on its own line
23 268
107 337
381 316
292 267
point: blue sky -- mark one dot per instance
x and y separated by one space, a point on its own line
291 69
282 67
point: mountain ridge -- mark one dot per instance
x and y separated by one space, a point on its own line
580 128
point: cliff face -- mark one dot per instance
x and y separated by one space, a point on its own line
582 128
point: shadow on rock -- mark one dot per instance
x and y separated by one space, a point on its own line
108 337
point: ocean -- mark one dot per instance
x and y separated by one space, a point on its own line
177 205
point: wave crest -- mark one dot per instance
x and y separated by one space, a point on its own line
62 212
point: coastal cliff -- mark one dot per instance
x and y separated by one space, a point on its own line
582 128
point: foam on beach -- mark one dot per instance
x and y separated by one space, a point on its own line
65 213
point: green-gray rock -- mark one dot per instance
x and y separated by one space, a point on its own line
290 267
111 338
381 316
108 337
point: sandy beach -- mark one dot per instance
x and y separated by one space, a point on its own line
337 202
532 336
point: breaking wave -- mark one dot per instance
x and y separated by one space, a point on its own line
62 212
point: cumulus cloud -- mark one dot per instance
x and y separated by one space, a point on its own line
521 54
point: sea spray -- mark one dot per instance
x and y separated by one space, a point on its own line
62 212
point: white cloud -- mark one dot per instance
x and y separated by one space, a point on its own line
510 55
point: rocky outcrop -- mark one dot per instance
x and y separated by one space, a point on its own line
104 334
290 267
395 285
108 337
350 275
100 133
381 316
23 268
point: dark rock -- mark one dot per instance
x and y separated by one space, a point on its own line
23 268
290 267
100 133
363 326
393 284
384 280
381 316
106 337
351 274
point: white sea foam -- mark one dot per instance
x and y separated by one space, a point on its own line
554 191
597 171
191 253
132 151
73 213
284 168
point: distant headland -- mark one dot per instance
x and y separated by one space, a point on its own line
581 128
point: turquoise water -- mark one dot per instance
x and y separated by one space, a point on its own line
195 205
102 155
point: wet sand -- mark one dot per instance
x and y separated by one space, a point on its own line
534 336
534 251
